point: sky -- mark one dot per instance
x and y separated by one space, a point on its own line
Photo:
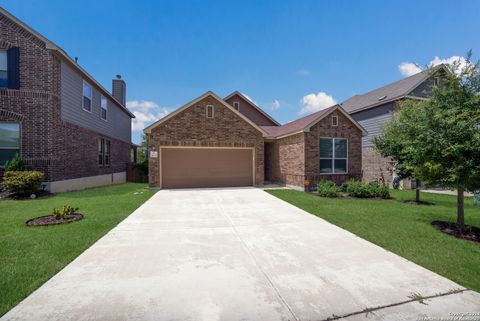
292 58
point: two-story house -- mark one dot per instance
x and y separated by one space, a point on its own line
374 108
56 116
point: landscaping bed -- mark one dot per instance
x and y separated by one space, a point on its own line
52 220
470 233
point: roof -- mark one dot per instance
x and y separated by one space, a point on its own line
195 101
51 46
248 100
388 93
304 123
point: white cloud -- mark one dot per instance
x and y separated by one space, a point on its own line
146 112
409 68
303 72
314 102
275 104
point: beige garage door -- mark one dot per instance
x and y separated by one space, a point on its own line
206 167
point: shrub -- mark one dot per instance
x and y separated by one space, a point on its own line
22 182
60 213
328 189
14 164
370 190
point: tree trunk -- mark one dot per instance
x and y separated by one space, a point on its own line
460 209
417 195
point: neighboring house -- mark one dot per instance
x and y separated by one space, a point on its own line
59 119
373 109
214 142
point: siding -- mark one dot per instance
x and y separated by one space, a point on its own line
373 119
118 124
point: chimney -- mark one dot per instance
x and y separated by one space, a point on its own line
119 89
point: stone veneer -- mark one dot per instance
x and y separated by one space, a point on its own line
47 143
191 128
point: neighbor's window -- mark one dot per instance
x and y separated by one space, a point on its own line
3 69
107 153
333 155
103 105
87 97
101 143
236 105
334 120
209 111
9 141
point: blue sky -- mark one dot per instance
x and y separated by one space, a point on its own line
289 56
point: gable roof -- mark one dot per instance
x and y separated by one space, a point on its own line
63 55
195 101
394 91
251 103
305 123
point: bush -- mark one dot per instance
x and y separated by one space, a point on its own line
370 190
22 182
60 213
328 189
15 164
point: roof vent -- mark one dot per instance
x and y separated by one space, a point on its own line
382 98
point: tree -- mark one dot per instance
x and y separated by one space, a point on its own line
437 140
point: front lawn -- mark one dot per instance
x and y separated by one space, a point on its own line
29 256
404 229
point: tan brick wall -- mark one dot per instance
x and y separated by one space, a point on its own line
345 129
376 167
191 128
286 157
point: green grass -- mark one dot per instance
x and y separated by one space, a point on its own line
29 256
404 229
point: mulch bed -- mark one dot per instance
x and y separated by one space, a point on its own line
4 195
418 203
51 220
471 233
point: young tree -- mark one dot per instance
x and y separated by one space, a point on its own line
437 140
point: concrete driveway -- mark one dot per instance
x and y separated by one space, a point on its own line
238 254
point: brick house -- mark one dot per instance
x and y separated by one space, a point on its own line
215 142
374 108
58 118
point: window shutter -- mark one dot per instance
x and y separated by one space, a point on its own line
13 65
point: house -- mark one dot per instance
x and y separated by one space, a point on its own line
56 116
215 142
373 109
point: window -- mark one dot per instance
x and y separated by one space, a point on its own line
236 105
3 69
101 146
334 120
103 152
87 97
209 111
333 155
9 141
436 81
103 105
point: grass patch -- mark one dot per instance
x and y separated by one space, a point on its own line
29 256
404 229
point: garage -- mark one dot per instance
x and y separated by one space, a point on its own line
206 167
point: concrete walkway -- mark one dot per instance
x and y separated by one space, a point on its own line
238 254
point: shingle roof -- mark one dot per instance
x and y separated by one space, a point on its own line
390 92
296 125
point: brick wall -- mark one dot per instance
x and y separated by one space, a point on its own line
376 167
191 128
58 149
286 157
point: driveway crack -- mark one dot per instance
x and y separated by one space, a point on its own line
232 225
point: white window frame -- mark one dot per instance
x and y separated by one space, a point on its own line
103 99
334 121
333 158
213 111
91 97
236 105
